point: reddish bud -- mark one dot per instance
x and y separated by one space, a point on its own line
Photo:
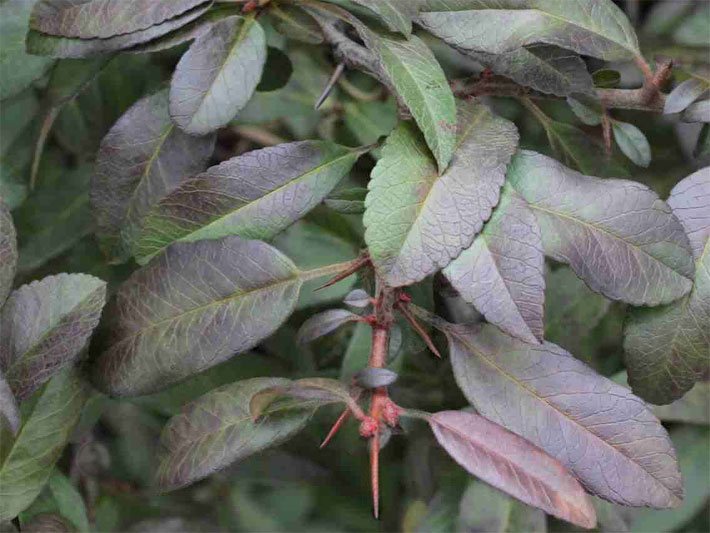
368 427
390 413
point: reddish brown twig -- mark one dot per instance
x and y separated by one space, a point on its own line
356 265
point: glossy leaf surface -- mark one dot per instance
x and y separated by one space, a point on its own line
194 306
143 157
512 464
607 437
417 220
617 235
217 429
44 326
632 142
255 195
217 75
501 274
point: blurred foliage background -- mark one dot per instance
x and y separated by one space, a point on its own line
299 487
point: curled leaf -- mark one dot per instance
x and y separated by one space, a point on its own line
324 323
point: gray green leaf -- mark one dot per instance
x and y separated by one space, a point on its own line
547 396
255 195
192 307
591 27
8 406
217 429
18 69
417 220
396 14
87 19
45 430
218 74
685 94
617 235
501 274
632 142
141 159
44 326
70 503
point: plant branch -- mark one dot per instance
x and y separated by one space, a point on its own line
636 99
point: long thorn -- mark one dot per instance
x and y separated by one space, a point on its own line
418 328
375 472
338 424
329 86
356 265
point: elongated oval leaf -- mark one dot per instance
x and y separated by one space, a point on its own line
8 251
373 378
8 406
483 508
255 195
45 325
89 19
218 74
323 323
45 431
591 27
39 43
690 202
418 221
512 464
616 235
697 112
140 160
667 349
217 429
684 94
191 308
607 437
422 86
396 14
632 142
502 272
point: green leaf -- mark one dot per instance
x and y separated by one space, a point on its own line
421 84
45 325
70 503
617 235
396 14
45 431
8 406
606 78
194 306
143 157
347 201
685 94
89 19
547 396
547 69
295 23
277 71
692 408
8 252
47 523
501 274
217 429
218 74
484 508
17 68
697 112
255 195
410 207
594 27
368 121
667 349
56 216
632 142
43 44
572 310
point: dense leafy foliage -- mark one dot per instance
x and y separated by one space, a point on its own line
225 225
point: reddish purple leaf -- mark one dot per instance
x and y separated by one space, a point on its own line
513 465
